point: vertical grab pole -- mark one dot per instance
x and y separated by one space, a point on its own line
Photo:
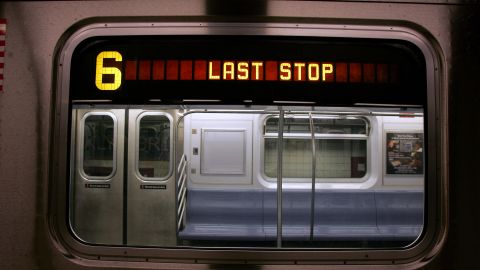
279 177
314 166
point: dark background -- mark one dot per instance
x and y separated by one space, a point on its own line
462 248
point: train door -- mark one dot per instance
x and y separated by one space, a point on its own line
123 188
151 182
97 189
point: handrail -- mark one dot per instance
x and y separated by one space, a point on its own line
314 167
280 179
182 177
182 201
179 223
181 181
181 190
316 115
319 136
183 161
313 112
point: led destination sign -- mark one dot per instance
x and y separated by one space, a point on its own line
246 70
111 77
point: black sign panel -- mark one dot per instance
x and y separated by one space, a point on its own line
253 69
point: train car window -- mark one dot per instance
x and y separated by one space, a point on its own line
245 145
340 147
98 145
338 158
154 146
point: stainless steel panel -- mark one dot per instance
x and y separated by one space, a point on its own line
151 217
97 212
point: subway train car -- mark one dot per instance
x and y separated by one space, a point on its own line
239 135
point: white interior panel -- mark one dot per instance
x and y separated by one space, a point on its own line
219 148
223 151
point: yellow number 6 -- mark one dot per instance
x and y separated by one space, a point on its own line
101 70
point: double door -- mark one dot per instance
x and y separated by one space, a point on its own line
122 182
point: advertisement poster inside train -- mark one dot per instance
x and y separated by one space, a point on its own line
404 153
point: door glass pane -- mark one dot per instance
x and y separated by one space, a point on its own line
154 146
98 145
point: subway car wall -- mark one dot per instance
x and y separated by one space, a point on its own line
33 107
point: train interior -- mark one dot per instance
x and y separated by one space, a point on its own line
208 175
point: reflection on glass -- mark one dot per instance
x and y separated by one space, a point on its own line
154 146
98 145
337 158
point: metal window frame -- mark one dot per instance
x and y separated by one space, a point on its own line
80 154
317 136
420 251
308 135
137 147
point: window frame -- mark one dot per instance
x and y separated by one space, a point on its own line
318 136
81 146
436 135
137 147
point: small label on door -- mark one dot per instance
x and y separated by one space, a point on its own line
153 186
97 185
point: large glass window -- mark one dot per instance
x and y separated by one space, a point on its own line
335 158
98 145
340 147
